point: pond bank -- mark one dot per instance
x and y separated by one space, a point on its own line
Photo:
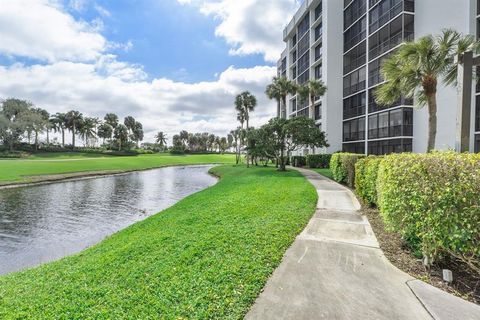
208 256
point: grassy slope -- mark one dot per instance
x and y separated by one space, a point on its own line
209 256
24 170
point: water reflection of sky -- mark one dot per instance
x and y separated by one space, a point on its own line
43 223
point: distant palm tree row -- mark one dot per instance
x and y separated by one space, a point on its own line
198 142
20 119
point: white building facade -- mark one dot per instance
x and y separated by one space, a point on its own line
343 43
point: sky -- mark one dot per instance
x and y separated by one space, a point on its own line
172 64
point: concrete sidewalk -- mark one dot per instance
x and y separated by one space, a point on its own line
336 270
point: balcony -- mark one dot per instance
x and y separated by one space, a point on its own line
384 18
374 107
390 43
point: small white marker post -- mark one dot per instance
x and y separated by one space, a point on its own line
447 276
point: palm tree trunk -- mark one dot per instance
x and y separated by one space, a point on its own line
284 106
73 136
48 136
36 141
432 121
63 137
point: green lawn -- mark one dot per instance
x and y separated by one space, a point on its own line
325 172
207 257
41 167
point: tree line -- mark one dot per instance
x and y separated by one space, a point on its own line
276 140
201 142
20 119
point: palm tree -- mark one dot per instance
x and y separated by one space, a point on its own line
35 123
88 129
137 132
211 141
74 120
311 90
111 119
161 139
121 135
279 89
245 103
105 131
184 137
45 125
59 123
416 69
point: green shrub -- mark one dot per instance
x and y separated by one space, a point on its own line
366 171
13 154
433 200
299 161
343 167
319 161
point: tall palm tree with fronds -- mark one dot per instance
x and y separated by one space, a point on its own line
279 89
88 129
416 69
74 120
161 139
111 119
245 103
59 124
311 90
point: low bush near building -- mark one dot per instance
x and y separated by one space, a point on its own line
366 171
299 161
343 167
433 200
321 161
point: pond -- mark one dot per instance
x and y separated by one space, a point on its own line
46 222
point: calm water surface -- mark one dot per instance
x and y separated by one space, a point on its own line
44 223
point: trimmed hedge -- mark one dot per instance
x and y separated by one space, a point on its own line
343 167
299 161
366 171
433 200
319 161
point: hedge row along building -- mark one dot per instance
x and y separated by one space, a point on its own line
343 43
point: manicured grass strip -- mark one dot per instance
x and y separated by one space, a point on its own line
325 172
207 257
66 155
29 170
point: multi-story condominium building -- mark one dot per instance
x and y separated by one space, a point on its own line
344 44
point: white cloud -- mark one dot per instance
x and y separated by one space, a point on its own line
39 29
250 26
76 70
161 104
101 10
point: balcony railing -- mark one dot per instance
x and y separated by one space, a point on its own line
374 107
355 40
405 130
390 43
386 17
354 88
354 64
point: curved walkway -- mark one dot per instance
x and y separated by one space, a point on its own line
336 270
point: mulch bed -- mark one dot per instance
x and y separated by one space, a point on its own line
466 283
